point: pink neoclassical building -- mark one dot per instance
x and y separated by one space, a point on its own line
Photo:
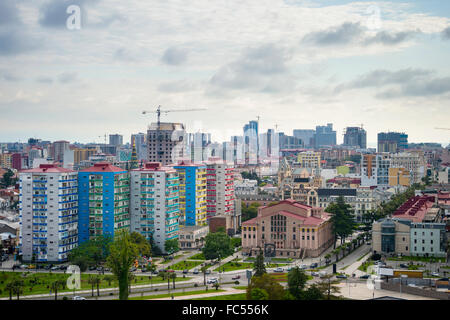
288 229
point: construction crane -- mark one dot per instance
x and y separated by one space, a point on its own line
158 112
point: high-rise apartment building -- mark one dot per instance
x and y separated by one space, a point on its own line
154 203
116 140
192 193
104 192
6 160
140 141
251 143
309 159
375 170
165 143
306 135
355 137
414 161
392 142
325 136
48 213
58 148
220 187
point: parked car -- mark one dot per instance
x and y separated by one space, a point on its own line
208 271
236 278
315 274
211 281
92 268
101 269
341 276
279 269
78 298
31 266
435 274
133 269
314 265
185 271
155 272
366 276
54 268
48 267
404 265
64 267
303 266
195 271
369 243
289 269
144 269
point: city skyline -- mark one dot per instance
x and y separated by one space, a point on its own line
296 64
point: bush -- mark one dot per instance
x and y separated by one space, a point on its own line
195 285
236 282
376 257
111 294
65 298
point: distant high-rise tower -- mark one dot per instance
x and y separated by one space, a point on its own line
307 136
134 159
355 137
165 144
325 136
115 140
392 142
251 142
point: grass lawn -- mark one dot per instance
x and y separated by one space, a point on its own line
236 296
233 265
363 267
176 294
185 265
198 256
413 258
39 283
282 277
240 287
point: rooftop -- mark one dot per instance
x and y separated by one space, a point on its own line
103 167
47 168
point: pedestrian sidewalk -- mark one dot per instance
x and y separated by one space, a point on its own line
78 292
227 291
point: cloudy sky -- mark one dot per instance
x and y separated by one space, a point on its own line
294 63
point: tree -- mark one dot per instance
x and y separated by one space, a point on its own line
259 294
258 265
156 251
249 212
91 253
217 245
55 285
236 242
123 252
341 219
109 279
143 245
10 288
203 269
18 285
327 286
173 276
92 282
296 281
7 180
171 246
269 284
313 293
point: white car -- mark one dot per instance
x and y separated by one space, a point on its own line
212 281
278 269
78 298
435 274
303 266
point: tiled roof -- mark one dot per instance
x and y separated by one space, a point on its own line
47 168
103 167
